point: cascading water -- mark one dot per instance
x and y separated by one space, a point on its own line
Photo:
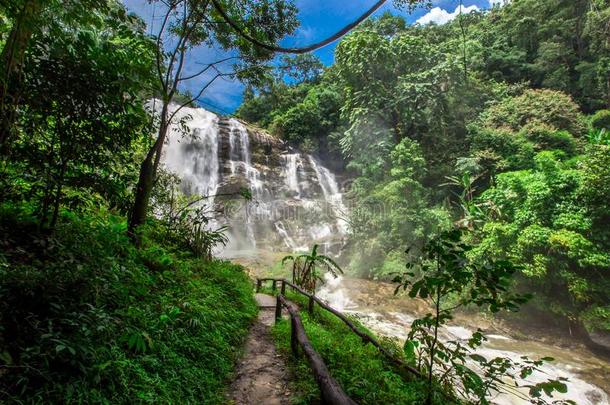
293 164
292 194
332 195
194 156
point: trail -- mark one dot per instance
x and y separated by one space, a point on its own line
261 375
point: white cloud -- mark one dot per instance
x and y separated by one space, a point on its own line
440 16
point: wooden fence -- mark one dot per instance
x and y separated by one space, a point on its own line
310 307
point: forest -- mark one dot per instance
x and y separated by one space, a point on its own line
464 168
503 131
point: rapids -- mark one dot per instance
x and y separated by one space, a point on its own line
375 305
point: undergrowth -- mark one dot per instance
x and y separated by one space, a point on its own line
363 373
85 317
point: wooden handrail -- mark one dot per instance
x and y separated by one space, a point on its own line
330 390
365 338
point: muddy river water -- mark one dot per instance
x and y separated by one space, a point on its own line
376 306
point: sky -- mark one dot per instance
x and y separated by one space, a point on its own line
318 20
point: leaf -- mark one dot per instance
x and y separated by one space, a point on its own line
478 358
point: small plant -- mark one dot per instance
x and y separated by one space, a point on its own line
203 241
443 275
472 213
307 269
599 137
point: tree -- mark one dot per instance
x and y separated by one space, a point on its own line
81 96
548 220
25 17
300 68
28 18
444 271
188 24
549 107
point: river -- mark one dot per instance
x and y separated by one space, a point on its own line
376 306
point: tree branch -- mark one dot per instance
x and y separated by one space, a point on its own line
207 66
306 49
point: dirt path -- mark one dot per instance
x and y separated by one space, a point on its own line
261 375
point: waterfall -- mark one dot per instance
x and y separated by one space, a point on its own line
243 153
292 165
288 241
332 195
194 156
220 156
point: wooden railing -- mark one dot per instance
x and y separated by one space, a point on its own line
310 307
330 390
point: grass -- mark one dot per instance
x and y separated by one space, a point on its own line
361 370
86 317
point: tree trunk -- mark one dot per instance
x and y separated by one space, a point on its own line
57 202
12 64
148 172
143 191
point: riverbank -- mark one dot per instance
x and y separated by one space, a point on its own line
87 317
376 306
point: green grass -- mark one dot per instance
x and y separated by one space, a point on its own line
87 318
361 370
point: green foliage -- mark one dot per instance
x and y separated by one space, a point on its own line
82 112
548 44
88 318
317 114
550 220
600 120
361 370
551 108
442 271
392 210
308 269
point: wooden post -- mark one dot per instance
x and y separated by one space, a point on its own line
278 309
294 343
310 306
283 287
274 285
258 285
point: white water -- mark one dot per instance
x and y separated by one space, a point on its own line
195 155
216 157
332 195
397 325
293 164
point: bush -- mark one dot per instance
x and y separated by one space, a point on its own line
545 137
601 120
86 317
550 107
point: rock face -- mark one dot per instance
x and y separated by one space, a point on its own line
296 200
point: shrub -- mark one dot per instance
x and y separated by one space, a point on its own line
86 317
550 107
601 120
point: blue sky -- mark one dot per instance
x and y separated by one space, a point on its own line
318 19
